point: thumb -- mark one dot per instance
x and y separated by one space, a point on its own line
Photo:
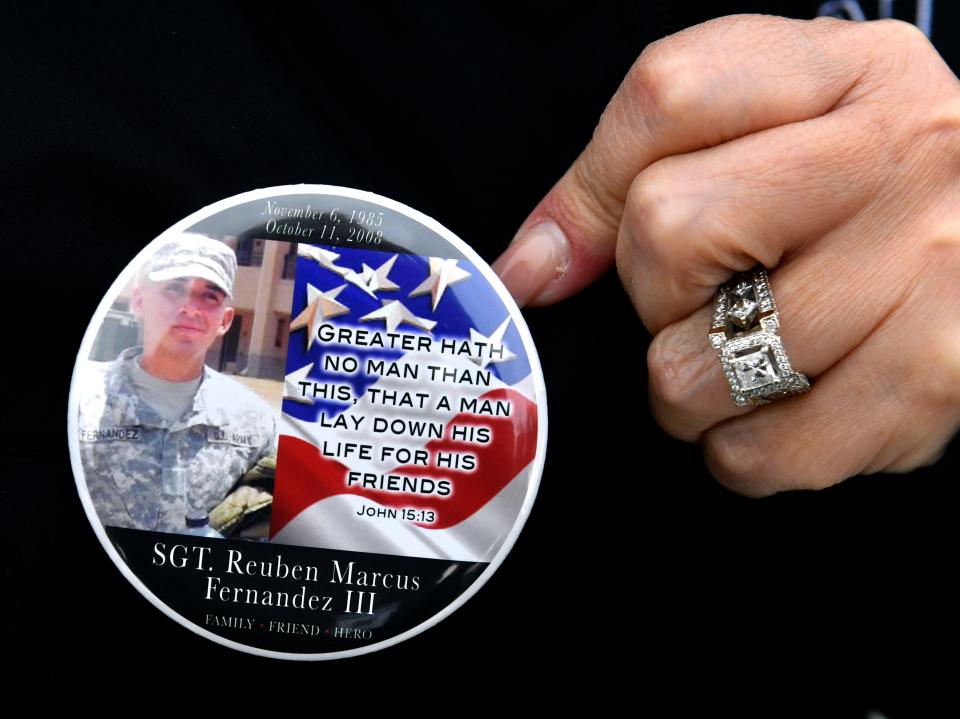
570 237
567 241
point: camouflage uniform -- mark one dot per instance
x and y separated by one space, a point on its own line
146 475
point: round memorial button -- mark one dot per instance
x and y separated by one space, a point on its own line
307 422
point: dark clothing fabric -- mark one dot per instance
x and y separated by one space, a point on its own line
119 121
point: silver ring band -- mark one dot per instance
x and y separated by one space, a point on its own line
744 334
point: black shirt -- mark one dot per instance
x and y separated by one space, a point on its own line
119 121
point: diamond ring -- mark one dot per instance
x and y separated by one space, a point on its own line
744 334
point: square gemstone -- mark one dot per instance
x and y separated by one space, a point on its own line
755 367
742 313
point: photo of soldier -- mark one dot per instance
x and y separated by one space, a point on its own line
167 442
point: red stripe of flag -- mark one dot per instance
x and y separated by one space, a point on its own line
305 477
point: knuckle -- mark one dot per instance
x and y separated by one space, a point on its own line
942 383
897 75
736 463
657 209
897 49
676 372
672 379
923 365
664 82
943 127
900 31
744 465
943 252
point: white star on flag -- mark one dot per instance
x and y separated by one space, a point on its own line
394 314
324 258
443 273
291 385
370 280
495 343
320 306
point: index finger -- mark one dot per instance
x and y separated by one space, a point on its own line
701 87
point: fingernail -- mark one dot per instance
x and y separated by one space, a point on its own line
532 262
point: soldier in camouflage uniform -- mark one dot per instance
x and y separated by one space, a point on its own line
163 438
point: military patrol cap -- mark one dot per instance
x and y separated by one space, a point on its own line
192 255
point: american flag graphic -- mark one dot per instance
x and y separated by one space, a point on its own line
372 458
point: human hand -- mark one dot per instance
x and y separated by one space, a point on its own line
825 150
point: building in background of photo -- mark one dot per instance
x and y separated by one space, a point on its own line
256 344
